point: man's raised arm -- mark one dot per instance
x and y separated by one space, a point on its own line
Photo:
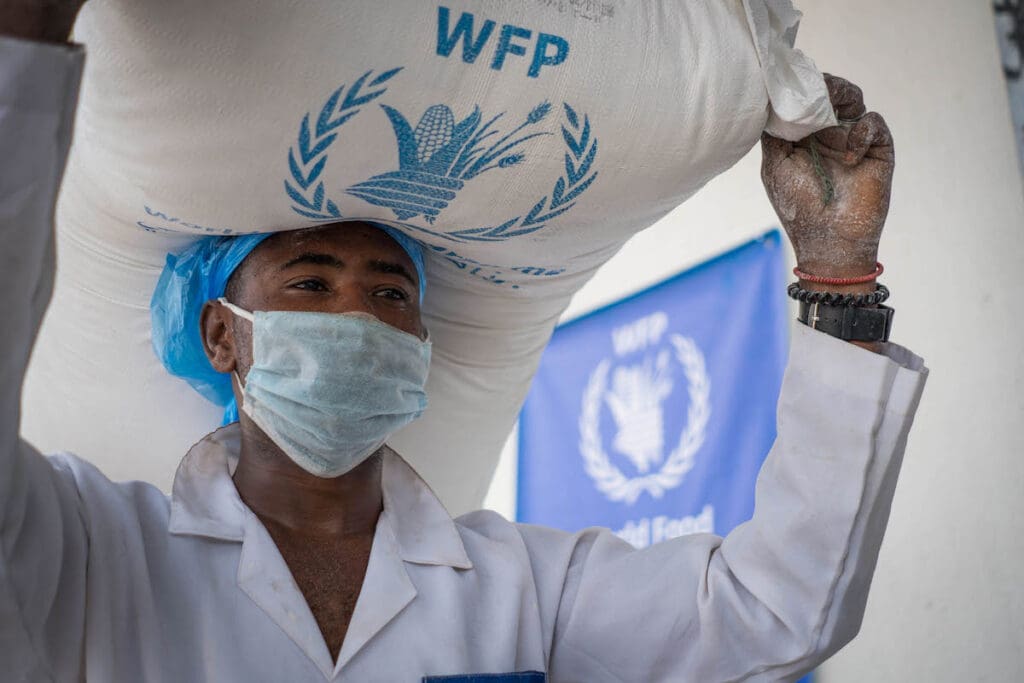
787 589
42 536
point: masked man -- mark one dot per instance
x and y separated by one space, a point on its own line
296 546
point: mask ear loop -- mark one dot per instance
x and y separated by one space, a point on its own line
241 399
242 313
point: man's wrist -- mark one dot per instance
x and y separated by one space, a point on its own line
865 288
846 268
854 269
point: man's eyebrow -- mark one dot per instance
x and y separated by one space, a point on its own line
376 265
315 260
394 268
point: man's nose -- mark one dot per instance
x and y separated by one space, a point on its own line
354 299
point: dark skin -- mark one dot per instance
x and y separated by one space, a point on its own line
838 238
323 528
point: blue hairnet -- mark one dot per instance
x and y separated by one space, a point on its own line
199 274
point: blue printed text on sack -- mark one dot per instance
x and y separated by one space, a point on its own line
548 50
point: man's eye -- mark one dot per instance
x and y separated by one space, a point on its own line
310 285
392 293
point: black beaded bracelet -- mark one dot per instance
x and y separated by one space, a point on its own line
879 296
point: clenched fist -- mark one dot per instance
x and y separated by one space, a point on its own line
831 190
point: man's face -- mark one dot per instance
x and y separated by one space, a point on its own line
340 268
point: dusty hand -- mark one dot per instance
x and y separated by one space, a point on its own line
44 20
831 190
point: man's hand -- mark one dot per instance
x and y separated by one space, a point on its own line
831 190
43 20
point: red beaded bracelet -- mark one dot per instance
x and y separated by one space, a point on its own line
839 281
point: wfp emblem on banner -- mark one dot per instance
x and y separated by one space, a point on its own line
652 416
634 386
438 159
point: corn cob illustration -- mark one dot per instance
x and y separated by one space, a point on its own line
433 132
439 156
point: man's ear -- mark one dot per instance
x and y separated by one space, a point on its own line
218 338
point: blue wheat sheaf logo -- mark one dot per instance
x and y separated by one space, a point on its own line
437 159
439 156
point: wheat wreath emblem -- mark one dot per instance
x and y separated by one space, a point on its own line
608 478
424 155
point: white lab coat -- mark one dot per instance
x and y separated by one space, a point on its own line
108 581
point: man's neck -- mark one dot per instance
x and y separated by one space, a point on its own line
323 528
279 491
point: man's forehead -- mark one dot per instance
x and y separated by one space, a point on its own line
336 238
341 245
341 233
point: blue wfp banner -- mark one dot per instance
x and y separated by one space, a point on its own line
653 416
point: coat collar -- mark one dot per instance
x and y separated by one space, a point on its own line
205 502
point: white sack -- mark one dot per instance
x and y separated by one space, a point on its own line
237 116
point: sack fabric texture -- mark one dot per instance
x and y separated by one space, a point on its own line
522 143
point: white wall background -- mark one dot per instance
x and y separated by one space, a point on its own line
947 602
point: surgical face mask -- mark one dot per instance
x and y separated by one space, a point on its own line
328 388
